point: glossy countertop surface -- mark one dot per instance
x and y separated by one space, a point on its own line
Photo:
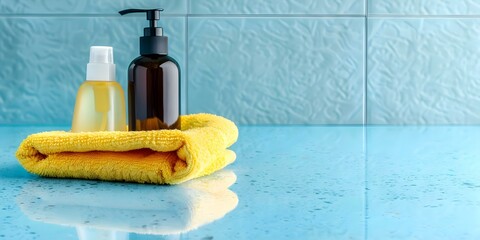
288 182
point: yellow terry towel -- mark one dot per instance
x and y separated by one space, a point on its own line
163 156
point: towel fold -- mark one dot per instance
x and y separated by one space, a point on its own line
122 207
160 157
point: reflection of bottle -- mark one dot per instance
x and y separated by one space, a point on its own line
153 81
86 233
100 104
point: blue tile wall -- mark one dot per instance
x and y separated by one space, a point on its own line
258 62
277 70
88 6
423 62
424 71
44 61
277 7
424 7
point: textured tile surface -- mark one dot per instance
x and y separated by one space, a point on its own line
88 6
423 182
427 7
277 7
296 183
44 60
292 183
277 70
423 71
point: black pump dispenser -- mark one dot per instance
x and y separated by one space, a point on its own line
153 41
153 81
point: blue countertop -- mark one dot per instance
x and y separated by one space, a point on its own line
288 182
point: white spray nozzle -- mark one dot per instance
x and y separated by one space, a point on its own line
101 54
101 66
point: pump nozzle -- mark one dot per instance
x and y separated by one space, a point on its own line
152 15
153 41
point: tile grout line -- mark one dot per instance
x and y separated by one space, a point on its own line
365 119
433 16
20 15
186 56
365 69
334 15
274 15
188 14
386 16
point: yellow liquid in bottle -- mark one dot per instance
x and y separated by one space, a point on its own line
100 106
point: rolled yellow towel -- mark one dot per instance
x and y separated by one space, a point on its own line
161 157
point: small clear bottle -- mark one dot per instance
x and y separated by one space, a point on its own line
100 104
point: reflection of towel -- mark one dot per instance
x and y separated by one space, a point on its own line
163 156
145 209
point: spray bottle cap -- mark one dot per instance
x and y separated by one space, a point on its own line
101 66
153 41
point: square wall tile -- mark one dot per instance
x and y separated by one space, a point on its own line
423 71
277 7
88 6
277 70
424 7
44 61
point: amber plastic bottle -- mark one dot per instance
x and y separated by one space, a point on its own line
153 81
153 93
